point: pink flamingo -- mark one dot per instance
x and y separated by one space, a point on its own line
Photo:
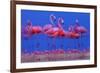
68 34
30 30
47 29
49 26
79 29
50 30
59 31
56 31
71 33
26 30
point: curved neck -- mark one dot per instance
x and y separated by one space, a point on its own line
51 20
59 23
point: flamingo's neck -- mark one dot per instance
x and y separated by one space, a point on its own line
59 24
51 19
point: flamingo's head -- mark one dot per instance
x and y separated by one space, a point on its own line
52 18
61 20
29 23
77 22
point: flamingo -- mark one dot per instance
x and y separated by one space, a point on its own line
79 29
74 32
49 29
30 30
56 31
63 33
60 32
68 34
52 31
71 33
49 26
26 30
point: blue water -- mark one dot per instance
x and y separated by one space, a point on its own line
42 42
